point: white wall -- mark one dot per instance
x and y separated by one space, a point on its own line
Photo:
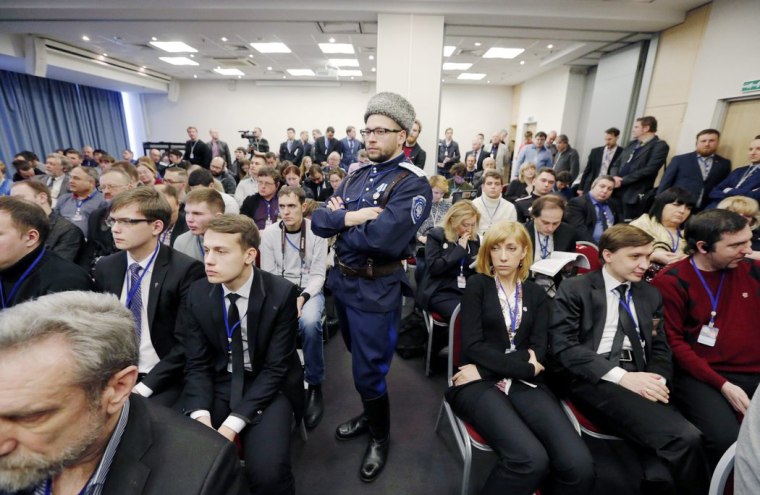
470 110
542 100
729 55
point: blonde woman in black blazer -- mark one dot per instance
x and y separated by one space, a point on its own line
499 388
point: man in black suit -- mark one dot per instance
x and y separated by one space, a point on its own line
412 149
543 184
600 159
613 359
308 148
699 171
567 157
243 375
448 153
292 148
325 145
637 167
152 281
196 151
218 148
70 421
27 268
478 152
591 214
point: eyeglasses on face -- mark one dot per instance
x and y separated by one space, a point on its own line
378 131
110 221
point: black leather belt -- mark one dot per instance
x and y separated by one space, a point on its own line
370 271
626 356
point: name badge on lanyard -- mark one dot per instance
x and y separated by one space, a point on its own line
461 279
708 335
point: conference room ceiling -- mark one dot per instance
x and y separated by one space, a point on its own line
552 33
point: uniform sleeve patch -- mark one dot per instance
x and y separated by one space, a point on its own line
418 208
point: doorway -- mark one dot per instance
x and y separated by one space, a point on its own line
741 125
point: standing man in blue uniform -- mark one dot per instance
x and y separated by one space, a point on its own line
375 212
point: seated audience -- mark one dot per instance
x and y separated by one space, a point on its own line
65 239
592 213
177 224
563 185
749 209
249 395
523 185
290 249
84 198
315 182
263 207
200 207
152 281
549 233
743 181
25 170
499 388
477 180
457 181
664 223
70 421
306 164
57 170
613 361
711 300
218 169
236 168
335 177
492 207
148 174
202 178
27 268
471 169
438 210
248 185
544 184
450 251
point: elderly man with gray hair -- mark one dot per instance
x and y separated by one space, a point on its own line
68 421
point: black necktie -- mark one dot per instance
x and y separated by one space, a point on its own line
238 370
626 327
603 218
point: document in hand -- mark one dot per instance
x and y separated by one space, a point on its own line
557 261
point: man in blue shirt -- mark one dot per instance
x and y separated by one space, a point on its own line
375 213
535 153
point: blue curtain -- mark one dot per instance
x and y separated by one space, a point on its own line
41 115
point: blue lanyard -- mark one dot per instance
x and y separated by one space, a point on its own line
713 299
543 246
674 243
131 291
461 266
294 246
627 305
21 279
513 313
230 331
81 202
200 246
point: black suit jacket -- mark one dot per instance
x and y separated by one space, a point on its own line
577 325
173 273
442 263
643 166
272 328
479 162
594 166
581 215
163 453
522 205
295 154
564 238
201 153
65 238
321 152
308 150
418 155
684 171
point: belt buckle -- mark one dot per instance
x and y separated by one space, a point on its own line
626 356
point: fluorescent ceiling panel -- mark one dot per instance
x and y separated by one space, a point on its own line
229 72
496 52
471 76
178 60
337 48
448 50
343 62
271 47
349 72
173 46
301 72
456 66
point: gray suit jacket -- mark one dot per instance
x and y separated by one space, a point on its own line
502 159
187 243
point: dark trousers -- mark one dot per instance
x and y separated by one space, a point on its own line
532 437
444 302
169 397
655 426
708 410
266 444
371 339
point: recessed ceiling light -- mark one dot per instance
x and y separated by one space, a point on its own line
478 43
192 56
488 82
352 78
448 50
522 62
178 60
251 55
224 39
284 77
331 40
240 77
105 54
173 46
229 72
471 76
496 52
549 46
372 57
456 66
144 66
275 47
195 76
154 38
337 48
374 70
269 68
349 72
85 38
343 62
301 72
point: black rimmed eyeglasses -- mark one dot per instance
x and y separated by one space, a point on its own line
377 131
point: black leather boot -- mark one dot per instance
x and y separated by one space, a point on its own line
315 406
352 428
379 419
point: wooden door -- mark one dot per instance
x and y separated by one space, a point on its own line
742 124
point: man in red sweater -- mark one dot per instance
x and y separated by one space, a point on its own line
711 301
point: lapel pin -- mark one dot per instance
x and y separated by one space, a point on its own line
745 295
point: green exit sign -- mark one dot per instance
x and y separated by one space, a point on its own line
749 86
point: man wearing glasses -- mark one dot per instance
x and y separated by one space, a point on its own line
375 212
152 280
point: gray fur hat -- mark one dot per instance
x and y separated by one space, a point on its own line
394 107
